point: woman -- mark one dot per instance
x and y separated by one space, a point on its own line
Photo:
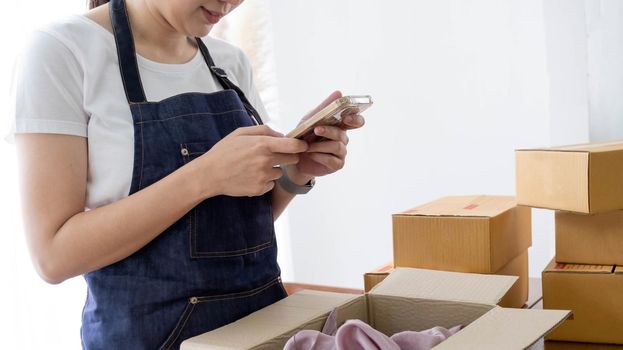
125 112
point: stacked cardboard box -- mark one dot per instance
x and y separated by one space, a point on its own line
584 184
476 234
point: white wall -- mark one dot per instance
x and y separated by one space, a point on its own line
604 42
458 85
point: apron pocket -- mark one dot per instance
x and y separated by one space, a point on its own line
224 226
203 314
180 326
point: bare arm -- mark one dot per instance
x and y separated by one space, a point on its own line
65 241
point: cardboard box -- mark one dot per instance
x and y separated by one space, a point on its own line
590 239
518 294
581 178
462 233
515 297
408 299
376 276
594 293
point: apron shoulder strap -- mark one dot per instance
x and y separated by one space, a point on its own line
222 78
126 52
129 67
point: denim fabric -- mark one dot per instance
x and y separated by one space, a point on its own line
214 265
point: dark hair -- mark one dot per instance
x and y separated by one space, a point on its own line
95 3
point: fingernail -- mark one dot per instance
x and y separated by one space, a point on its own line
349 119
319 130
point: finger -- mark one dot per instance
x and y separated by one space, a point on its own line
286 145
335 148
285 159
260 130
332 97
353 122
332 133
329 161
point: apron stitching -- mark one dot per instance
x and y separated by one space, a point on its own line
191 93
177 331
178 328
190 230
189 115
194 232
238 252
249 293
140 181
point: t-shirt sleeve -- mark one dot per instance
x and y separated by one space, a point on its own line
49 88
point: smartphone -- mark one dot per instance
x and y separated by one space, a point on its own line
332 114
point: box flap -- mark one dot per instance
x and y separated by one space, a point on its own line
445 286
276 323
553 266
503 328
471 206
585 147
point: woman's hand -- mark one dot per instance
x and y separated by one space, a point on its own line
328 155
244 162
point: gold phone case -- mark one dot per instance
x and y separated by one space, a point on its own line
332 114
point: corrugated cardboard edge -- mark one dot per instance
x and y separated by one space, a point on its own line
374 277
554 267
582 147
445 286
474 198
503 328
371 279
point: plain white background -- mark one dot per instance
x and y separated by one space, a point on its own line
458 85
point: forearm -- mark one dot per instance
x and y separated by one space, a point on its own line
281 199
97 238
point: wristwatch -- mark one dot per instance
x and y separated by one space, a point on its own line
291 187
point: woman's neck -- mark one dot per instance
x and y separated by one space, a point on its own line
155 38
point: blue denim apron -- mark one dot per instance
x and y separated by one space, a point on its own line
216 264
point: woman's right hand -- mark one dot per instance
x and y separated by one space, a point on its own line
244 162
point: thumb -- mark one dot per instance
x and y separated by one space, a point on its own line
258 130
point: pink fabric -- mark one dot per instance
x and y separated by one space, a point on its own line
357 335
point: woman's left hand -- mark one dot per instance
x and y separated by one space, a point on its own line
328 155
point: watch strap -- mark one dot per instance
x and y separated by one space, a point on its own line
289 186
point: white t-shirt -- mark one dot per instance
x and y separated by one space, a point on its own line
68 82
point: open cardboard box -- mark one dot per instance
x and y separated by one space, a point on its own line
408 299
515 297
